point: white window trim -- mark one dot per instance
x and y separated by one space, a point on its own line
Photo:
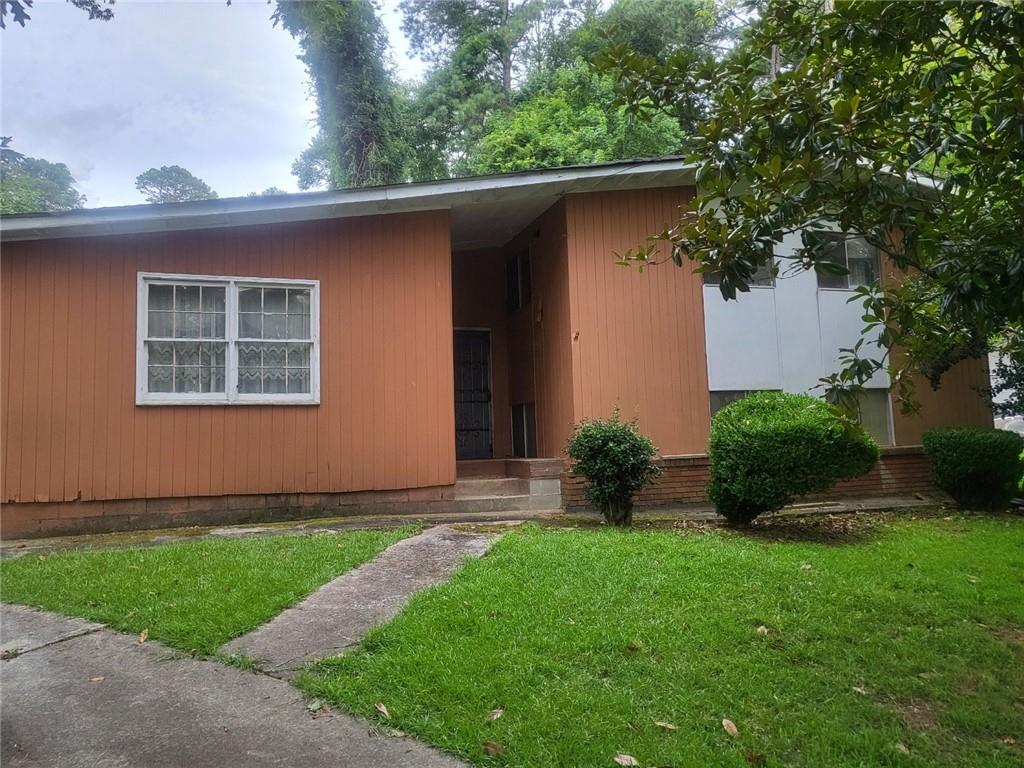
846 257
231 396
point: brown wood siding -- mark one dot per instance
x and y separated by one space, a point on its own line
71 429
540 334
479 301
637 339
958 401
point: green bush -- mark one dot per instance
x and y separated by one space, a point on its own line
980 468
771 447
616 461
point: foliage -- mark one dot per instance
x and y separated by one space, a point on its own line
979 468
362 141
18 9
570 119
268 191
867 98
586 639
196 595
772 447
616 461
34 185
172 184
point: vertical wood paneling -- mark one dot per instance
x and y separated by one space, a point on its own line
956 402
71 428
638 338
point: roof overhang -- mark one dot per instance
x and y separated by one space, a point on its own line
486 211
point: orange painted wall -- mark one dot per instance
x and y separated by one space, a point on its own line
637 340
71 428
541 366
956 402
479 301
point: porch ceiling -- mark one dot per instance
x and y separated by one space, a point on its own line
486 211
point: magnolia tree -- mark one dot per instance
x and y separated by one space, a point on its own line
898 122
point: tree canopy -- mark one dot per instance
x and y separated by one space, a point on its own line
34 185
897 122
172 184
18 10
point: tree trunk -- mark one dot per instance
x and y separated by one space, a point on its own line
619 513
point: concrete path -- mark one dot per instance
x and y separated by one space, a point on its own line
79 695
336 616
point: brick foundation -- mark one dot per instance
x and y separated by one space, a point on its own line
903 471
72 517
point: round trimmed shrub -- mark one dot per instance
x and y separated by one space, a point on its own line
771 447
616 461
979 467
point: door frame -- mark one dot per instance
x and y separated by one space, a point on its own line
490 377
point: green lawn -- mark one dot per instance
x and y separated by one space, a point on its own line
194 596
902 648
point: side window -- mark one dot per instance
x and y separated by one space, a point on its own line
763 277
524 431
722 397
517 279
874 415
858 256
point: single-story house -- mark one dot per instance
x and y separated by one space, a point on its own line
418 347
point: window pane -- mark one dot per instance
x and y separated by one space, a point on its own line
722 398
249 300
161 296
274 300
711 278
249 355
298 326
161 378
212 299
836 253
298 380
161 324
274 355
274 381
161 352
186 354
212 355
212 379
298 301
186 379
863 260
275 326
213 326
187 325
298 356
763 275
186 298
250 326
249 381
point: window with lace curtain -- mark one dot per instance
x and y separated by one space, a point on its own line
214 340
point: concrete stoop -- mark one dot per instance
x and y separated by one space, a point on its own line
505 494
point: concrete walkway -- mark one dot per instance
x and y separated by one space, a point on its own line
79 695
336 616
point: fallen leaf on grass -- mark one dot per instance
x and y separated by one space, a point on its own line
493 748
861 691
902 748
755 758
806 567
730 727
379 706
762 630
143 636
972 579
626 760
494 714
40 557
633 647
666 726
97 679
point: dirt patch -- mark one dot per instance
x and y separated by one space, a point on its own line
1011 635
918 714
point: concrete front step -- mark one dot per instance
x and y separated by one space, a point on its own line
493 486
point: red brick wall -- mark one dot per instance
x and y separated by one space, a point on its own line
900 472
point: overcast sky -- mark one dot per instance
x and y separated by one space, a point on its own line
213 88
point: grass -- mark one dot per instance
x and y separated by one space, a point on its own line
194 596
904 647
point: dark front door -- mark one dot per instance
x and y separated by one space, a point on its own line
472 395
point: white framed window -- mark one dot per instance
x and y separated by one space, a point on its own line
206 340
763 276
858 256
